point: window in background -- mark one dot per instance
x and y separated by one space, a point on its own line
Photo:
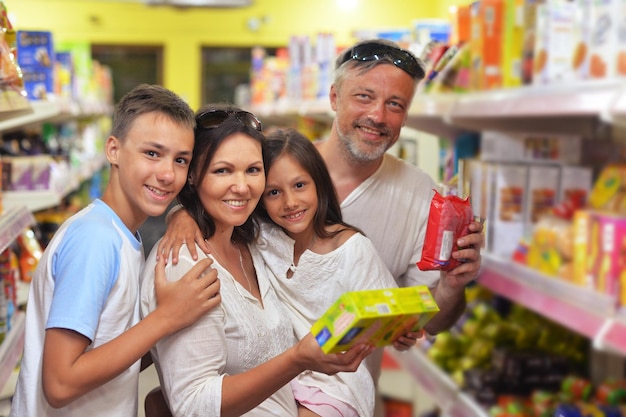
224 72
130 65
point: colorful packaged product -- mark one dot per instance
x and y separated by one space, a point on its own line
377 317
448 220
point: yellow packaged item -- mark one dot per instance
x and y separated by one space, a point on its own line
377 317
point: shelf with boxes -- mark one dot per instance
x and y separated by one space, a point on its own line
574 108
61 177
12 224
584 311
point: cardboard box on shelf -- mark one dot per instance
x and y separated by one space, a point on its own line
543 188
377 317
507 199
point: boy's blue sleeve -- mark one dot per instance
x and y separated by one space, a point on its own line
85 267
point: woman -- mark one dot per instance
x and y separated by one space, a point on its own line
240 356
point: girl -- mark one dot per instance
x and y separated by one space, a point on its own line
315 257
238 358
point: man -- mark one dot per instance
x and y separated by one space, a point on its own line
388 199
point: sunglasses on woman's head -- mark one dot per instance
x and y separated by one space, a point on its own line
213 118
376 51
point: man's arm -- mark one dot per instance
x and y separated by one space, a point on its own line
450 291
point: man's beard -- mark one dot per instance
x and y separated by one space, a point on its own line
359 152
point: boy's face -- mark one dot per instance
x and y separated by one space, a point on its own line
152 164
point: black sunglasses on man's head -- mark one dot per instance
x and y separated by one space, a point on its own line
401 58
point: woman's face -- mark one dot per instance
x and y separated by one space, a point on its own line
290 197
234 181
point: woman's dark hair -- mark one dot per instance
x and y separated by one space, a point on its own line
291 142
207 141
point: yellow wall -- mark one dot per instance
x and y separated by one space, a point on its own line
183 32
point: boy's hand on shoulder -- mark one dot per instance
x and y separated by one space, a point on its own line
186 300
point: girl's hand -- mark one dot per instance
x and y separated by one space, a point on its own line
181 229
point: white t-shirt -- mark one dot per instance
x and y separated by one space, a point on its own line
391 207
238 335
317 282
87 281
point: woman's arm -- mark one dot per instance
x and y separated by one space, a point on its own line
181 229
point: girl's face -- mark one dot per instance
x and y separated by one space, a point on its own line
290 196
234 181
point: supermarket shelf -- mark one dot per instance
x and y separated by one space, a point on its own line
437 384
40 200
29 113
12 223
11 347
576 108
584 311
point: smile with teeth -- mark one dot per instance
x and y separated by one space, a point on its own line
369 131
294 216
236 203
157 192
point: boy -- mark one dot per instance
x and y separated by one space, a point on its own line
84 339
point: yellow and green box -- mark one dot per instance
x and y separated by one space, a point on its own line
377 317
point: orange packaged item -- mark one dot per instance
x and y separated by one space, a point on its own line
30 254
448 220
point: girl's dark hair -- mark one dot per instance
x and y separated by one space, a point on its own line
291 142
207 141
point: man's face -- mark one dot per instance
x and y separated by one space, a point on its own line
371 109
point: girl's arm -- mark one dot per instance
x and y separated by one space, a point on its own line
181 229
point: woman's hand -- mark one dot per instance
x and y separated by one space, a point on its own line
314 358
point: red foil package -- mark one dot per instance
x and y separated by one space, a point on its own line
448 220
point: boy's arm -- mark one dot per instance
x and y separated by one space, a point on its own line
69 372
181 229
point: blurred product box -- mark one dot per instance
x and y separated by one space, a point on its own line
501 147
512 43
476 47
606 253
507 197
26 173
621 40
609 190
38 82
606 22
557 36
65 84
554 148
529 18
377 317
581 243
543 188
575 185
492 21
36 58
35 49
